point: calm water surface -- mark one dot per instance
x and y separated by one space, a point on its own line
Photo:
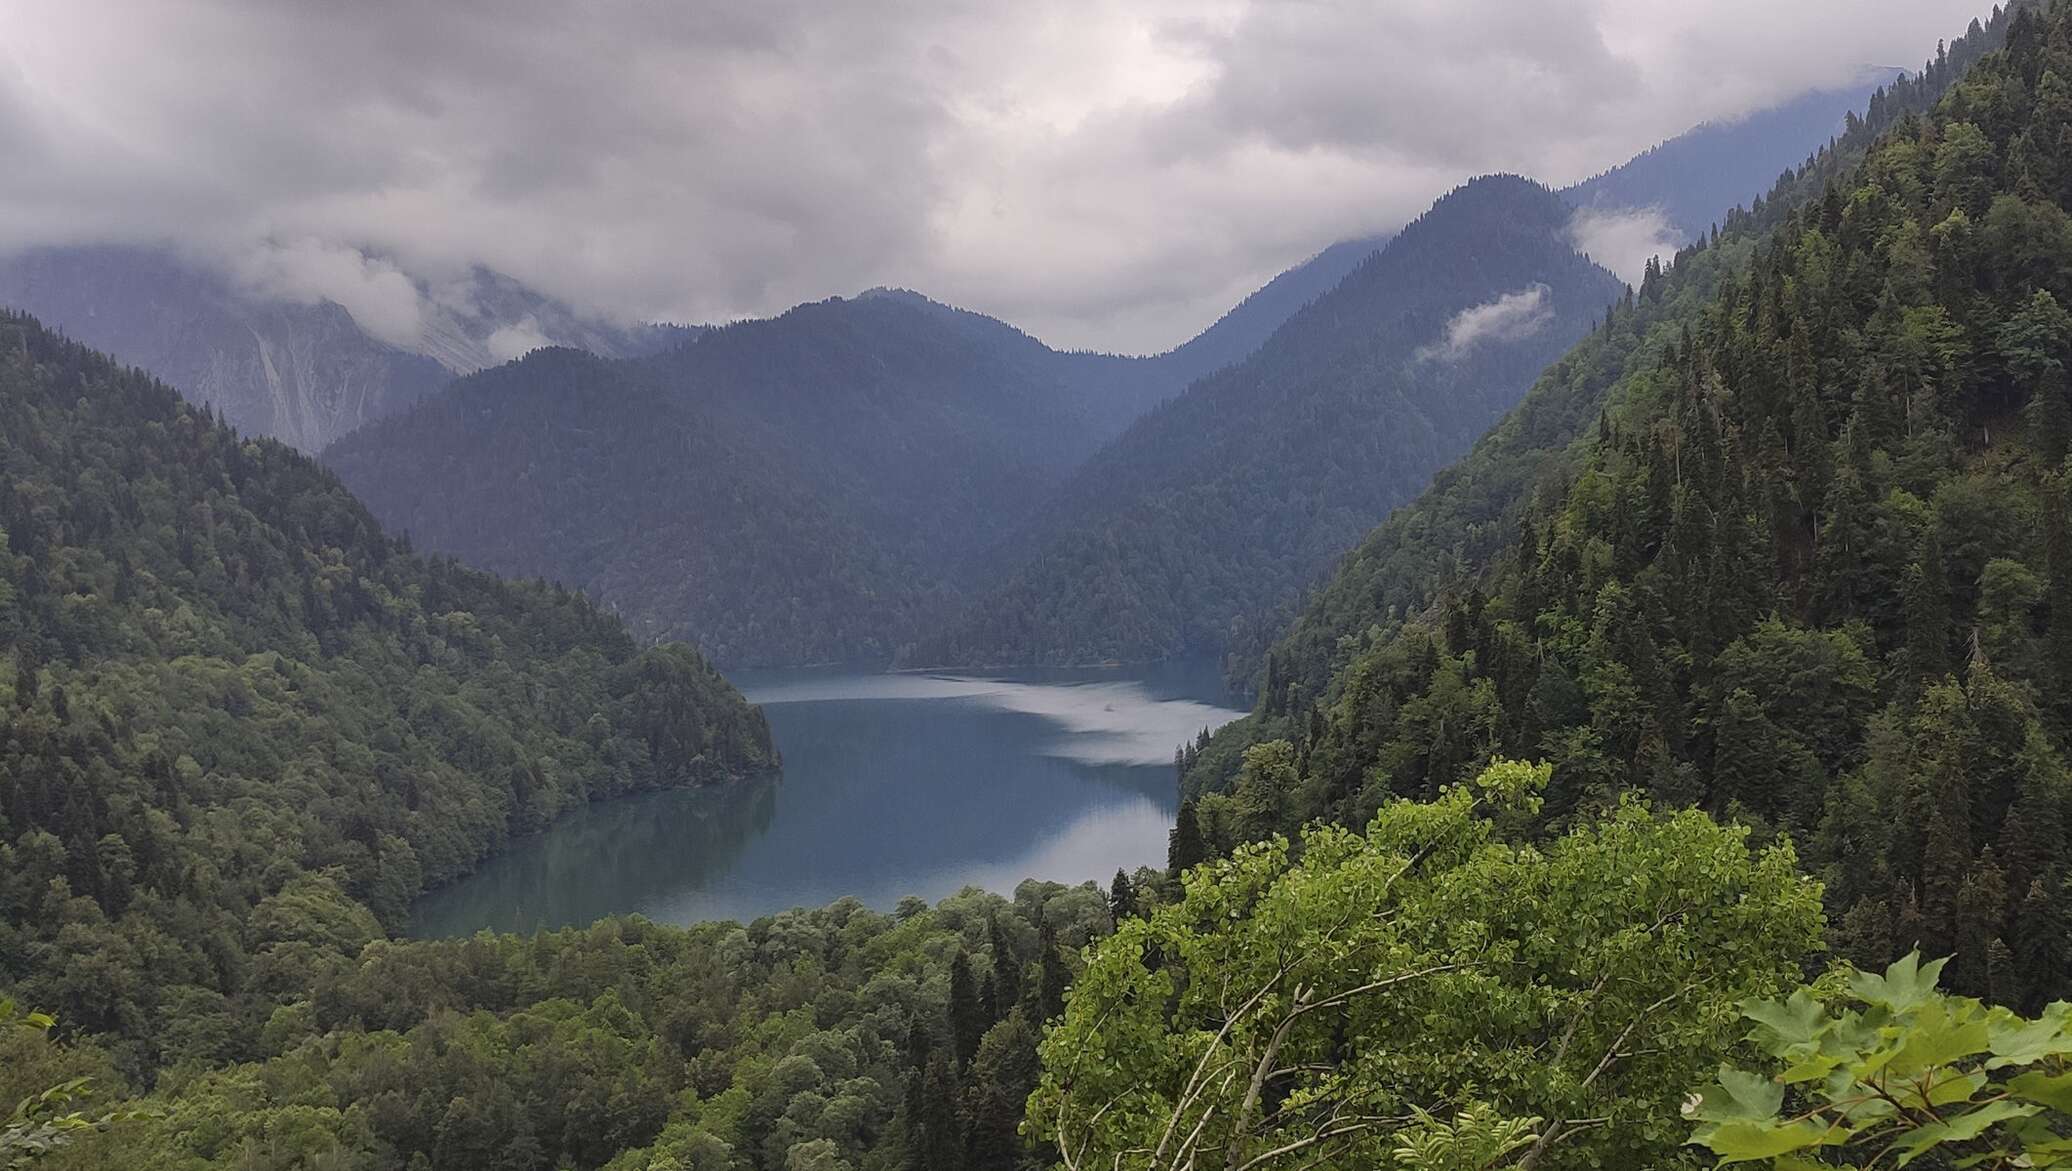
893 785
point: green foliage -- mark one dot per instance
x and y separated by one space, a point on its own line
45 1118
1432 994
244 729
1870 1070
809 1039
1784 540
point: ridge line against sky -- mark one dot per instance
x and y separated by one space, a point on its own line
1104 176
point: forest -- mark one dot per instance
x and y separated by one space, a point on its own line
1681 782
243 728
1220 503
1807 568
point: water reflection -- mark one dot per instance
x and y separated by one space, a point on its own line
893 785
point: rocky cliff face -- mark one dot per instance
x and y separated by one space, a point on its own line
304 373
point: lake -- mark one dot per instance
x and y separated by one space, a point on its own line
893 785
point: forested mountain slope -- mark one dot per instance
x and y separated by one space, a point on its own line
303 371
1697 177
1223 502
242 728
799 489
1805 563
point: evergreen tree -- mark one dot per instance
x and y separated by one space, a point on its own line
937 1137
1122 897
1926 596
2040 944
1186 849
967 1017
1007 970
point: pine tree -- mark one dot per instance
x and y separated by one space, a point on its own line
1186 848
1002 1078
1980 919
2042 949
1943 744
1748 758
967 1018
1926 597
1052 975
937 1136
1007 970
1122 897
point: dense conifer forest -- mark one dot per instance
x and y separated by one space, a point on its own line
1806 567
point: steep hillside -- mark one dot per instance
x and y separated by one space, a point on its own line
242 728
302 371
1806 562
799 489
1222 503
1694 179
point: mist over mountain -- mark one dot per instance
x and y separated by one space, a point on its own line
1672 194
1212 509
828 484
286 361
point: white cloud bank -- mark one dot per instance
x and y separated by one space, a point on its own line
1624 240
1107 175
1511 317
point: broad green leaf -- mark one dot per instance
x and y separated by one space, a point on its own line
1791 1022
1940 1036
1962 1128
1736 1096
1906 983
1812 1069
2037 1086
1745 1142
2015 1041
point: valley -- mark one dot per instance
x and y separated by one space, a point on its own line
1571 677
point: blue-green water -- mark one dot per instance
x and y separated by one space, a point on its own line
893 785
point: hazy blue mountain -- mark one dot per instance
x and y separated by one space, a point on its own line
805 488
1217 507
1695 178
304 373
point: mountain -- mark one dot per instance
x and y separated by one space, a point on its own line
301 371
1787 539
1694 179
1237 334
806 488
243 728
1225 501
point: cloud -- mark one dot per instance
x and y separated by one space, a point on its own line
1102 174
1625 239
381 298
516 340
1511 317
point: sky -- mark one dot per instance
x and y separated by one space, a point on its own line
1107 174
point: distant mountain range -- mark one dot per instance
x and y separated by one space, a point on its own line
816 486
304 373
1694 178
884 476
1222 503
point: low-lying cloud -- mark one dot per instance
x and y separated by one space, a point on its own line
1511 317
1102 723
382 299
1625 239
1104 175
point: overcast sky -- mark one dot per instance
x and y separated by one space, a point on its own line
1104 174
